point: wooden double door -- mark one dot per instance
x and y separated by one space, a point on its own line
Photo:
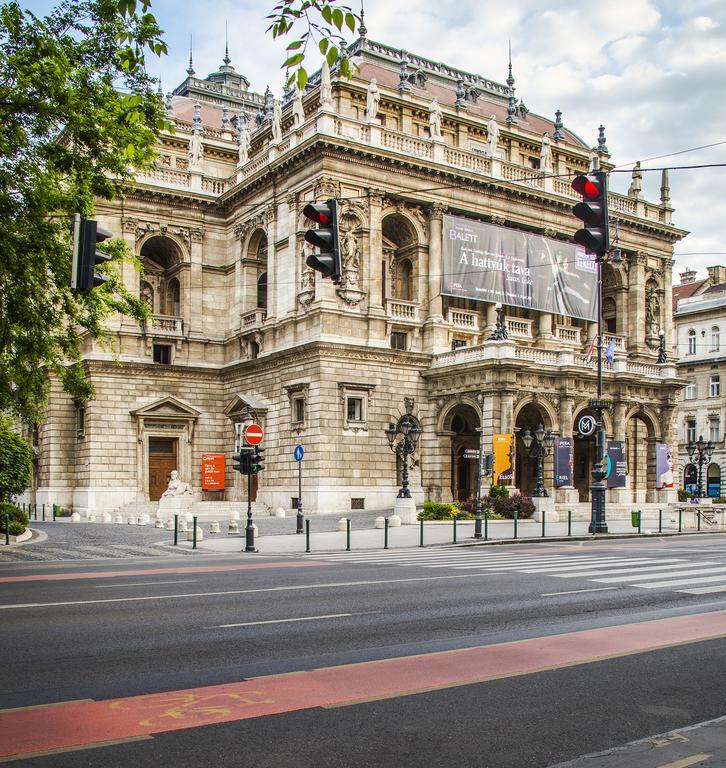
163 459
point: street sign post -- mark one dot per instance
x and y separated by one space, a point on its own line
298 454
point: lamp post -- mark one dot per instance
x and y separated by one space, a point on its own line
700 453
538 446
403 439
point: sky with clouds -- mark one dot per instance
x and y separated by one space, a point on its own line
652 71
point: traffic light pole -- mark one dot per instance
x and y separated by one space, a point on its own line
299 499
597 513
249 530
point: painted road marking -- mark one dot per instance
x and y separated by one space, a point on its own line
705 590
686 761
576 591
88 723
610 563
679 582
292 588
636 570
78 748
145 584
67 576
647 573
286 621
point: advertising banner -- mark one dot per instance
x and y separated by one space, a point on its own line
496 264
664 465
616 465
564 474
213 471
503 460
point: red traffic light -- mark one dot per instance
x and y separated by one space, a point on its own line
325 238
320 213
587 186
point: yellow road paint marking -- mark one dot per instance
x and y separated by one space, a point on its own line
51 704
686 761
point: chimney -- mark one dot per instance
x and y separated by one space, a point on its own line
717 275
689 276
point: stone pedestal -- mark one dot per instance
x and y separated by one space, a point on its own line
567 494
406 510
175 505
544 507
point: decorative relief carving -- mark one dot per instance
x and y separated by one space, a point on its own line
326 187
307 286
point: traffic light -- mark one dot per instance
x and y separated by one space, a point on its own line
257 460
241 461
325 237
86 235
593 211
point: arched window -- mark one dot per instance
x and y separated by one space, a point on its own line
173 304
715 339
713 483
690 478
691 342
146 294
262 291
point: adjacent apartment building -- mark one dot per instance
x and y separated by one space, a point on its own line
700 325
242 329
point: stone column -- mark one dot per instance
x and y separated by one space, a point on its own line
375 252
195 288
272 262
666 321
545 325
434 298
129 274
620 495
566 494
292 246
635 332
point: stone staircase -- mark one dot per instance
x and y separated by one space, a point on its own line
204 511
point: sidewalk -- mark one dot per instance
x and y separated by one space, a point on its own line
364 537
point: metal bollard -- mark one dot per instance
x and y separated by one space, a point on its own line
640 520
698 515
680 520
515 525
307 535
420 543
7 529
486 525
544 517
44 512
176 529
454 541
569 522
660 521
194 533
385 533
347 534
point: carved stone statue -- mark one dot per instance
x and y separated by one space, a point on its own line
636 185
277 122
435 119
176 487
545 155
195 149
243 138
298 112
373 99
326 89
492 135
350 255
652 312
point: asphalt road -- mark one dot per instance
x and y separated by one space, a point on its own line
500 656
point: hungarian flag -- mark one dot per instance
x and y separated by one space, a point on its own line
588 356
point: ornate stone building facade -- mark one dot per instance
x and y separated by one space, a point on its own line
241 326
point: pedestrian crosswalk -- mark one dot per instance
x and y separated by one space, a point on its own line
680 574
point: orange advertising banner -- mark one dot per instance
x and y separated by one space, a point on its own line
213 471
503 459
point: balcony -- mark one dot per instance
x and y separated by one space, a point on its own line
402 311
569 334
520 327
463 319
251 321
165 325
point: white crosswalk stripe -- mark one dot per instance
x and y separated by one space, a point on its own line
680 574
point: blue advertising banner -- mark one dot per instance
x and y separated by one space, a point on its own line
564 473
616 464
507 266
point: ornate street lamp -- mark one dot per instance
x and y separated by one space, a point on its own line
700 453
403 439
538 447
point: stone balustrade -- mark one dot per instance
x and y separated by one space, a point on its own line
464 319
520 327
570 334
251 320
402 311
167 325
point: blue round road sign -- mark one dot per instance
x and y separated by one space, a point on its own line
298 453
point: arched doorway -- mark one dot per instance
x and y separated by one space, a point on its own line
640 453
400 259
525 468
713 483
463 424
160 287
584 453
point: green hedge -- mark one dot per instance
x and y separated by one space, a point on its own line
18 519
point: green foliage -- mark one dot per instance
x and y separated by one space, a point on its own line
18 520
506 506
78 115
16 460
323 23
718 500
498 491
683 494
433 510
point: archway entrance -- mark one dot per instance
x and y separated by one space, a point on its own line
640 451
464 422
585 448
525 472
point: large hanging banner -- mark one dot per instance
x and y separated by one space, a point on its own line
616 465
664 465
564 474
496 264
503 460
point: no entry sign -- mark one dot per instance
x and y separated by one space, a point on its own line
253 434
